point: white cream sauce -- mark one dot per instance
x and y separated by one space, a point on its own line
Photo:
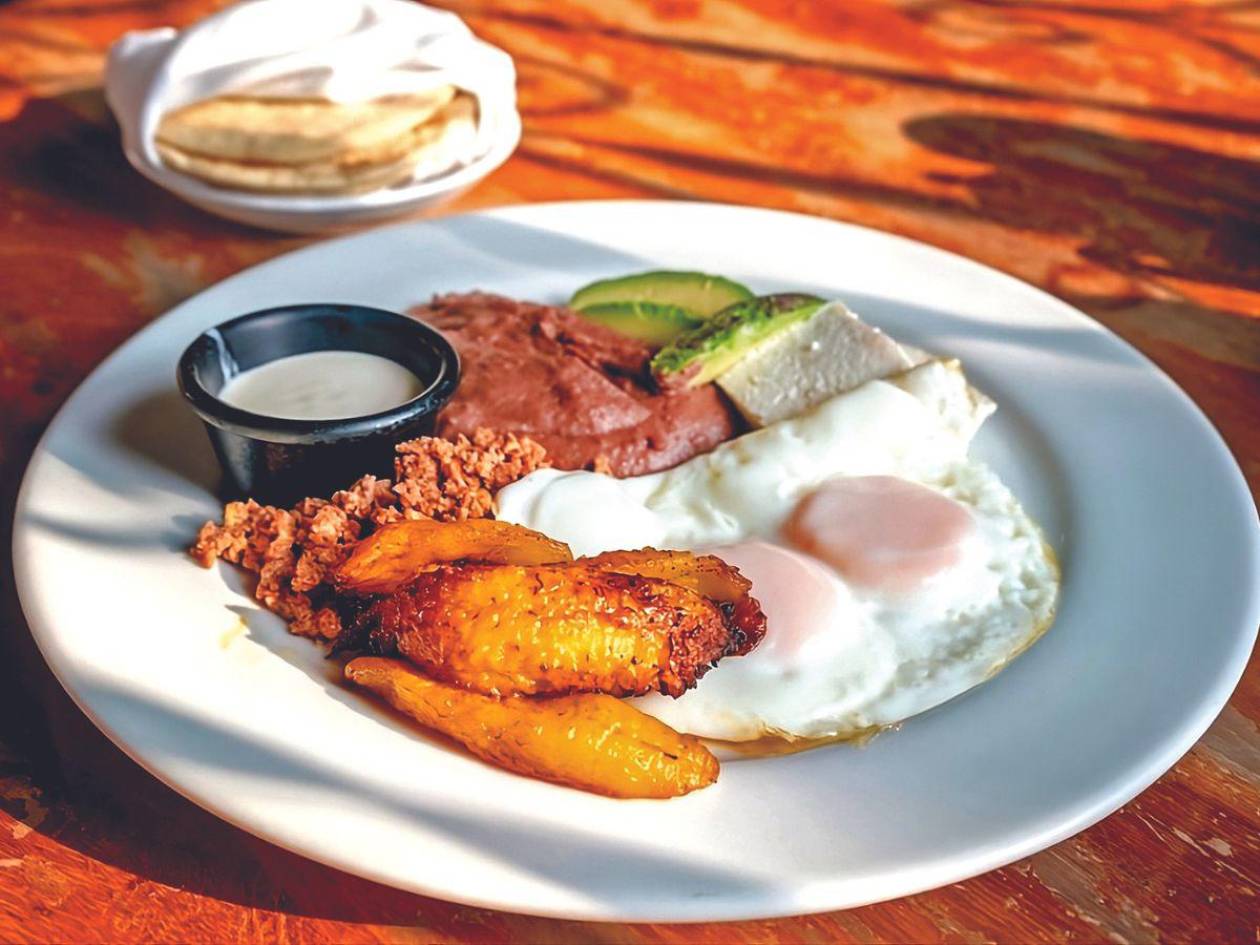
323 385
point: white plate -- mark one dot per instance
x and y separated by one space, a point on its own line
1153 521
330 214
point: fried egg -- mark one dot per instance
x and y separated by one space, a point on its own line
895 571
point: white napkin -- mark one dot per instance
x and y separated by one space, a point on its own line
343 50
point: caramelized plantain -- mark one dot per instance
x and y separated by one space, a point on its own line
592 742
395 554
707 575
571 627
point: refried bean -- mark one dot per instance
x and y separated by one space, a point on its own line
581 390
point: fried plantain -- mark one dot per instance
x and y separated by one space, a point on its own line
563 628
591 741
395 554
707 575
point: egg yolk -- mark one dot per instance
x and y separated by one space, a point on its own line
881 532
798 595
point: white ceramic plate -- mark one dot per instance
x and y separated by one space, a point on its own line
330 214
1154 524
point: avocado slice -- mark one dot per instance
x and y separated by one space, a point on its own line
694 291
654 322
698 356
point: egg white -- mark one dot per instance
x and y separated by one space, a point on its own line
878 657
885 658
912 427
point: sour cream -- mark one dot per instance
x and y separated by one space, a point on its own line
323 385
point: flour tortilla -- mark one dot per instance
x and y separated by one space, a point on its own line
300 131
447 138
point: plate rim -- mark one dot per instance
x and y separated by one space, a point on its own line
811 900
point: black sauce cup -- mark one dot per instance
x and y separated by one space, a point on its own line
280 461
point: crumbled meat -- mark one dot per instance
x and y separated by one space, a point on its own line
293 551
457 480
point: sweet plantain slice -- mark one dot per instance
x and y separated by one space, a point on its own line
707 575
592 742
552 629
397 553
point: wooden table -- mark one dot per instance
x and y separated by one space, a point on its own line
1106 151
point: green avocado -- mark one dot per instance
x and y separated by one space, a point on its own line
703 353
694 291
653 322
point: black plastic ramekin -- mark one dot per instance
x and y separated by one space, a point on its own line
279 461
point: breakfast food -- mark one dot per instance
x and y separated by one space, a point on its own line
654 323
696 357
561 628
501 609
395 554
501 612
580 390
486 637
323 385
296 131
350 154
894 571
830 352
591 741
295 551
698 293
649 572
656 307
704 574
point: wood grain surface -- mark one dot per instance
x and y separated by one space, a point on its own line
1106 150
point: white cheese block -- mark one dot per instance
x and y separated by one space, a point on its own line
801 366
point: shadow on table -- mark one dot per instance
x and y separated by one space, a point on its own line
66 148
1137 206
1141 207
